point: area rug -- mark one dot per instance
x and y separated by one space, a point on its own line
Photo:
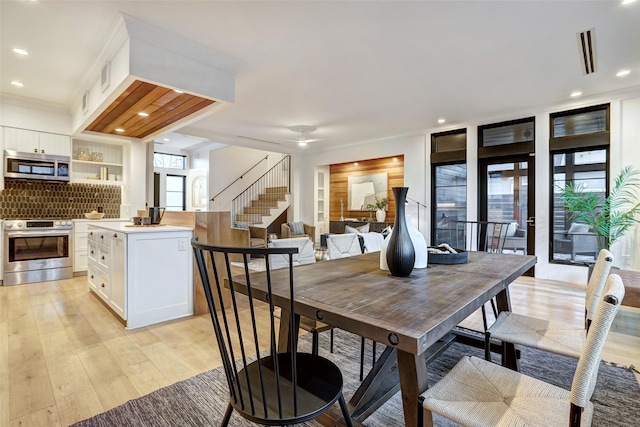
202 400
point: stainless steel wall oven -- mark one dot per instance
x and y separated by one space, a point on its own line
37 250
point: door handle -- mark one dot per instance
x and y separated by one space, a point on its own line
531 221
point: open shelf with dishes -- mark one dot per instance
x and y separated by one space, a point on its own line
97 162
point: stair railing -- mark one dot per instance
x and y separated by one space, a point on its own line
265 191
239 178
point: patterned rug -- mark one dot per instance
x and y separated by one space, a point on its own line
202 400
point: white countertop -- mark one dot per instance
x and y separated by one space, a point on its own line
129 228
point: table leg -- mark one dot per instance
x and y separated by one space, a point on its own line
413 381
284 332
509 358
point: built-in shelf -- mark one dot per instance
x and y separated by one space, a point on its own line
88 171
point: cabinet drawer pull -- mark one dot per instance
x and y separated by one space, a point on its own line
91 233
102 236
91 252
92 276
102 285
115 235
102 257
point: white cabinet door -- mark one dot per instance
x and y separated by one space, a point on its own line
51 143
22 140
118 285
30 141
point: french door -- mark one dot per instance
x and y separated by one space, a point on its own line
507 194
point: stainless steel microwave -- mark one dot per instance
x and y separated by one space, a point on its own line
36 166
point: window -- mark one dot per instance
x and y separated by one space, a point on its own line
449 182
175 193
449 199
169 161
579 155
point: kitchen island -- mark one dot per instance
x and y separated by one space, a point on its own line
144 274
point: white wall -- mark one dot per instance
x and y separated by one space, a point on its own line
415 173
627 250
229 163
38 116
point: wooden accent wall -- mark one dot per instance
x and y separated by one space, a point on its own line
210 227
338 183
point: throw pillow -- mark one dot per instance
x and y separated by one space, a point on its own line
578 228
511 230
361 229
297 228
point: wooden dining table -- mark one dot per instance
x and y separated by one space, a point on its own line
410 315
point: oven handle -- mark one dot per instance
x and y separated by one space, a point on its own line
38 233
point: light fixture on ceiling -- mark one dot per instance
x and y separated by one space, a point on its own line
143 114
623 73
303 139
16 83
628 1
20 51
119 130
441 121
576 94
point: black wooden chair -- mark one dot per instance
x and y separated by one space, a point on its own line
479 236
265 386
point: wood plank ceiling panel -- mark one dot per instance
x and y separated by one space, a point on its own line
164 107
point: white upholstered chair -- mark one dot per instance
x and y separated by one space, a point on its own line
306 253
552 336
343 245
479 393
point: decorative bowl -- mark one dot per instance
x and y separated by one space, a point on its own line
94 215
446 258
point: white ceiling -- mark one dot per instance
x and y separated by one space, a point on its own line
357 70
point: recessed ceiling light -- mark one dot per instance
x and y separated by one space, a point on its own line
302 143
576 94
20 51
355 164
143 114
166 139
622 73
119 130
441 121
16 83
628 1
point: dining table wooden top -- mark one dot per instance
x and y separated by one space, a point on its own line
409 313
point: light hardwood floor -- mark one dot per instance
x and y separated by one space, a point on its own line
64 357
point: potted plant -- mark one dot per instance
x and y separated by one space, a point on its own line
612 217
379 206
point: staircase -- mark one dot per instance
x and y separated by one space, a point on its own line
264 200
264 206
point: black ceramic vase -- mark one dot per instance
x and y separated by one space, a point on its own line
401 255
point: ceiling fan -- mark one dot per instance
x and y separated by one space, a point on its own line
303 139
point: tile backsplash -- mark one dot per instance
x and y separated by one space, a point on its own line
40 199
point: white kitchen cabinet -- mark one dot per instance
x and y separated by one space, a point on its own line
90 157
80 242
144 274
30 141
106 257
